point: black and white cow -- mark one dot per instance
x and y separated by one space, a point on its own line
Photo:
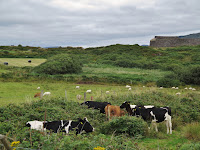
130 108
151 113
37 125
96 105
62 125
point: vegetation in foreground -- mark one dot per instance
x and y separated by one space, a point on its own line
116 64
185 124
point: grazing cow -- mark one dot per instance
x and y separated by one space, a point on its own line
62 126
151 113
155 115
37 125
96 105
37 95
112 110
67 125
130 108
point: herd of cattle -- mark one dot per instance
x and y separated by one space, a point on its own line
147 113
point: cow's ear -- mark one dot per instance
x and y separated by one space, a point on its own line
85 119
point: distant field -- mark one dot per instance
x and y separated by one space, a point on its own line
19 92
20 62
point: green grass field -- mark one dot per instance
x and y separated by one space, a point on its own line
21 62
18 92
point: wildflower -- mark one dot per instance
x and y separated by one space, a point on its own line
15 143
99 148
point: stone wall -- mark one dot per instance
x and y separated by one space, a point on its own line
172 41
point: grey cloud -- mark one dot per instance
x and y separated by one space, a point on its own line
37 23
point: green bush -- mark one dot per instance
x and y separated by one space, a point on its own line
192 131
132 126
168 82
60 64
190 75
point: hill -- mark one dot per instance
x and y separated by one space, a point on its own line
191 36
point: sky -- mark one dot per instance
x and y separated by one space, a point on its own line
93 23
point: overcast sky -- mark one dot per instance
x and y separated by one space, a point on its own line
91 23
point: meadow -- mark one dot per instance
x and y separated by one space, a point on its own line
104 69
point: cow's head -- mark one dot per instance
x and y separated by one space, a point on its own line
85 103
28 124
137 110
84 125
125 104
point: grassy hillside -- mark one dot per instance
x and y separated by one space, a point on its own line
107 68
181 63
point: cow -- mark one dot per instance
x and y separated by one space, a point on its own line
37 95
112 110
5 63
96 105
29 61
129 108
151 113
62 126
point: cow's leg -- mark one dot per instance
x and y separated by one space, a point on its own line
155 126
167 125
170 125
109 114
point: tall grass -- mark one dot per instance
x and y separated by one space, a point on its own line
192 131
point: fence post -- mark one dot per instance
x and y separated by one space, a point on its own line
41 95
85 97
5 142
66 95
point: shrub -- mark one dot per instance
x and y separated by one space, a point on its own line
190 75
130 125
168 82
60 64
192 131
